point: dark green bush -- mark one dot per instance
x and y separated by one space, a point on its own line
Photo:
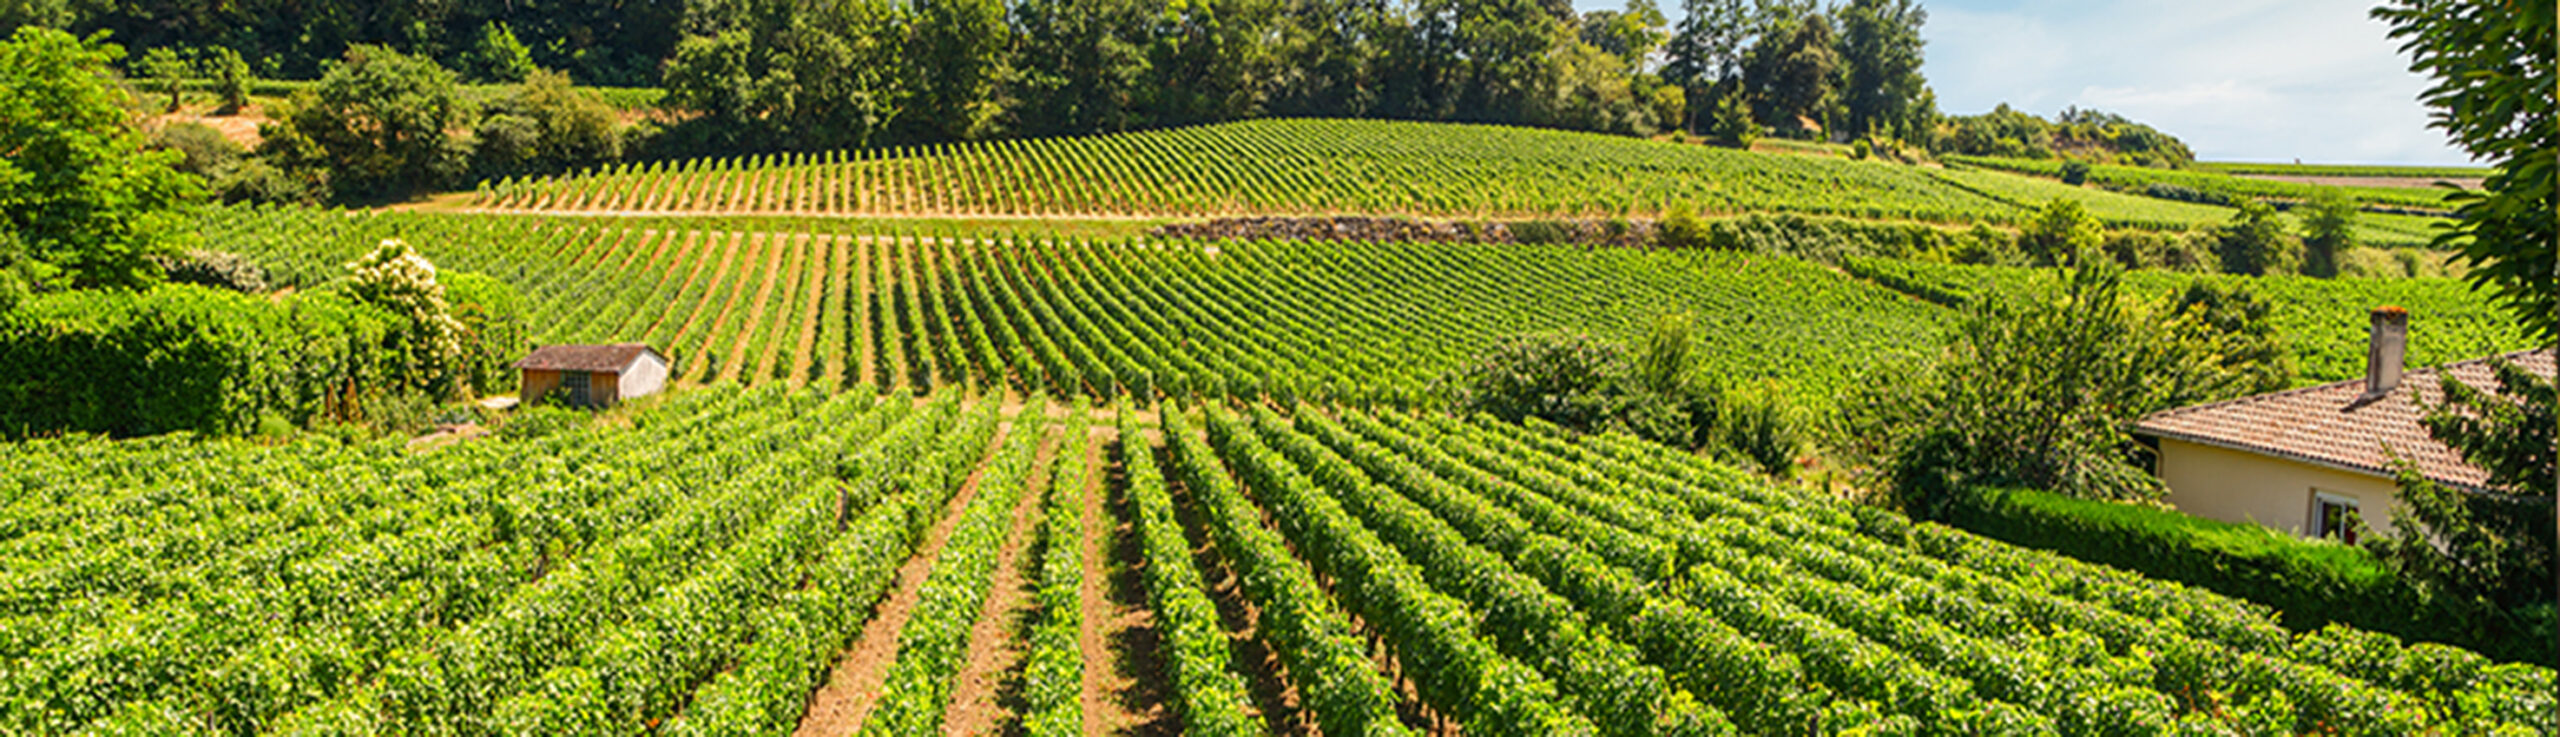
183 357
2075 173
217 269
2310 583
494 330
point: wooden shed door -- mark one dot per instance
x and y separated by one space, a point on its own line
576 384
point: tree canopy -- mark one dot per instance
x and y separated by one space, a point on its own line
82 203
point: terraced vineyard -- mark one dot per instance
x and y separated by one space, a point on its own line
739 561
1355 322
1309 167
2325 321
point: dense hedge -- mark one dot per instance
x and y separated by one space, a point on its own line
183 357
2310 584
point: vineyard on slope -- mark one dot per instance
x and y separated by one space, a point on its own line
2324 321
1346 321
698 569
1308 167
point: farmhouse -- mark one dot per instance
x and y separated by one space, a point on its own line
2317 460
593 375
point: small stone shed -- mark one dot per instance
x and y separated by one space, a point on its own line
593 375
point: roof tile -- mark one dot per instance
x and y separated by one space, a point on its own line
2328 425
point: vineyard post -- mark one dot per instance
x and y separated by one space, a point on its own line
2555 350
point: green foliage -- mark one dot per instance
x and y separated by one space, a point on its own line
827 77
494 331
180 357
231 76
2255 242
88 206
2495 68
1567 379
2037 392
2075 173
2487 551
397 279
206 151
958 52
1681 228
2251 346
499 57
1882 92
545 125
168 70
376 126
534 421
2310 584
2328 231
2060 234
2089 135
216 269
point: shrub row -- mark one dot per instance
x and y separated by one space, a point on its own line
2311 584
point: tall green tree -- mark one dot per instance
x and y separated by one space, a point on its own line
1211 60
2328 230
1079 65
791 74
1790 71
956 54
378 125
2038 392
167 70
1881 89
82 203
2495 65
1333 53
2255 242
2497 72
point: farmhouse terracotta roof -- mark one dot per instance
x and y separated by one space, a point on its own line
2333 425
597 358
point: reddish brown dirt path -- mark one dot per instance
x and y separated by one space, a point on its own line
1282 710
727 289
853 688
983 692
735 360
781 330
688 258
866 365
822 263
714 255
1125 688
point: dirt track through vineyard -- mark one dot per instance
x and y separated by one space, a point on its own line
853 687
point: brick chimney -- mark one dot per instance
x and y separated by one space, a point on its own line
2385 352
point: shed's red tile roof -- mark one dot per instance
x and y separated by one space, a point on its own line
599 358
2325 425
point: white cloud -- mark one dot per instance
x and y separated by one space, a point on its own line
2269 80
2237 79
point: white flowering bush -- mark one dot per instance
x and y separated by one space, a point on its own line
395 277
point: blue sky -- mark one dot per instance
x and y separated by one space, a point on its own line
2244 80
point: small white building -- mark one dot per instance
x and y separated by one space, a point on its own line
593 375
2317 461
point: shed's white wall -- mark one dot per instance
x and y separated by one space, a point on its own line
645 376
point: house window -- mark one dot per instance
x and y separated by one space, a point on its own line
575 384
2335 516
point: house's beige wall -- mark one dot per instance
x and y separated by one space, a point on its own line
2233 486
